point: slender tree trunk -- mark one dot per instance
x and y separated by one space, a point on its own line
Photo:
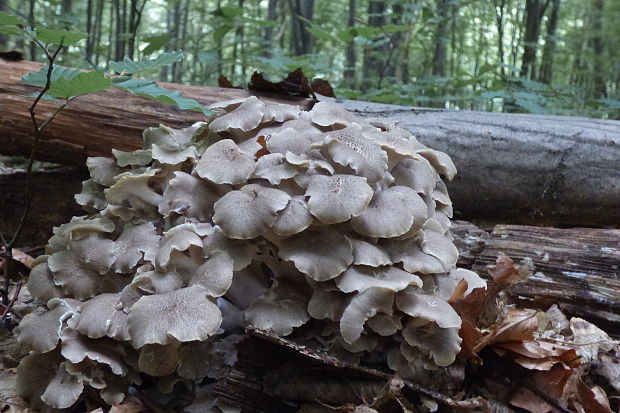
441 38
546 65
3 38
98 31
88 53
374 54
534 11
349 72
301 11
500 6
598 47
180 41
272 14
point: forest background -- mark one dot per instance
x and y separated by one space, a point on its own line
532 56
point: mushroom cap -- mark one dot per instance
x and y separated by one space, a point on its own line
321 254
440 161
216 274
416 303
73 276
276 112
64 389
134 243
417 174
326 114
134 189
103 170
172 156
348 147
178 238
274 168
247 116
294 218
362 307
34 373
224 163
279 310
391 212
41 281
188 196
76 348
367 253
360 278
250 211
242 252
182 315
326 303
103 316
337 198
288 140
39 331
442 344
436 243
139 157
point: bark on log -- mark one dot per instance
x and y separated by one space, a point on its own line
52 205
578 268
513 168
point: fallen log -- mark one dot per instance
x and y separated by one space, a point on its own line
52 205
513 168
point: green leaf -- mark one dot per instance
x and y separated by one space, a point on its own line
128 66
231 12
10 20
156 42
52 36
82 84
150 90
10 30
40 78
319 33
220 32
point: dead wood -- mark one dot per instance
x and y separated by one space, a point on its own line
513 168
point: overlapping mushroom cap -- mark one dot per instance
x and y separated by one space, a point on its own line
316 223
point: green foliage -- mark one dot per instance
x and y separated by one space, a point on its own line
129 67
10 24
155 43
58 37
82 84
39 78
148 89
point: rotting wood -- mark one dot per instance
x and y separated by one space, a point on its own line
513 168
52 205
579 268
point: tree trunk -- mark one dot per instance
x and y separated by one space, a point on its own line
500 6
534 10
349 72
374 54
554 170
272 14
546 65
598 49
440 62
3 37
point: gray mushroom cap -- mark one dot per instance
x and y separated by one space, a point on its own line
362 307
322 254
274 168
360 278
391 212
39 331
41 281
134 243
294 218
183 315
349 148
429 307
224 163
417 174
64 389
247 116
215 275
288 140
337 198
76 348
250 211
102 316
279 310
368 253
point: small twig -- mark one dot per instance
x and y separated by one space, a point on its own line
8 307
8 245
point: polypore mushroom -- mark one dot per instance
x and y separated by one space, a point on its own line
317 224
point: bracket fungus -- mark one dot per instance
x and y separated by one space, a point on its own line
318 223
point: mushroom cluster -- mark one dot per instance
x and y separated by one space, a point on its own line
315 223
